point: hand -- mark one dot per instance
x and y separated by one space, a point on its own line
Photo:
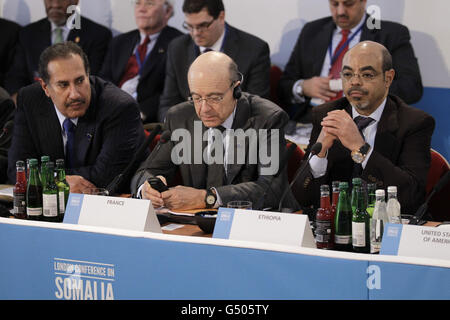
327 140
340 124
153 195
184 198
78 184
318 87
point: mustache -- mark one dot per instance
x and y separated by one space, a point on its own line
355 89
75 101
342 16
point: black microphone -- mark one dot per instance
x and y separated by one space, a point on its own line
116 182
424 207
7 129
281 167
315 149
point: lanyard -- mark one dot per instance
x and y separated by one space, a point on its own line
338 53
138 59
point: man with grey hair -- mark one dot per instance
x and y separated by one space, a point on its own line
217 103
136 60
61 24
369 133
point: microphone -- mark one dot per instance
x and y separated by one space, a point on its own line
315 149
424 207
283 164
7 129
116 182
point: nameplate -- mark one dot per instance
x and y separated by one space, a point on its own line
416 241
111 212
264 226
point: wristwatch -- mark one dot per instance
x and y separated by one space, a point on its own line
299 88
359 155
210 198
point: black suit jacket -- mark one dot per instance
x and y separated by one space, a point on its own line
243 180
151 82
401 155
251 54
8 40
309 54
36 37
106 137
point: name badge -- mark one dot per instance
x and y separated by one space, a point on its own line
416 241
111 212
264 226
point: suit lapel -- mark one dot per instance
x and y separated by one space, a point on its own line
322 42
50 129
198 171
126 50
156 55
385 140
230 46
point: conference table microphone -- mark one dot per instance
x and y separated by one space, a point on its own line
315 149
114 185
283 164
424 207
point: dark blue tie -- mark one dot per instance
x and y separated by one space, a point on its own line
69 128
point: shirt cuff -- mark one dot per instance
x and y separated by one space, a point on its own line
318 166
297 98
138 193
218 199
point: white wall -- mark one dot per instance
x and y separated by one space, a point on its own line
279 23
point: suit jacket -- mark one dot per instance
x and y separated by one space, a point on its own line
400 156
151 82
309 54
250 53
8 40
243 181
106 137
36 37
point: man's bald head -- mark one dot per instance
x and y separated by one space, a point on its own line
212 78
377 50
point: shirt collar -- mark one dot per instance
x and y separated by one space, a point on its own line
68 22
61 118
152 37
376 115
216 46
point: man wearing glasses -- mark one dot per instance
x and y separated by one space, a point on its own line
136 60
369 133
217 108
205 22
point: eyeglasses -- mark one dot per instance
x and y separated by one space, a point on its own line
366 76
200 28
211 100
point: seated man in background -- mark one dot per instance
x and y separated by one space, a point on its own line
8 41
311 76
217 102
7 110
59 26
69 115
136 60
369 133
205 21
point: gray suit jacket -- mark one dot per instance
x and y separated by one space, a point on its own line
243 181
251 54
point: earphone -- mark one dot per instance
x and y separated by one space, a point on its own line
237 91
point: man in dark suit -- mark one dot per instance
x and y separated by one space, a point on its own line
217 116
69 115
205 21
142 78
317 57
7 110
58 26
8 40
369 133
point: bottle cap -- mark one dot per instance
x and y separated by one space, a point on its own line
356 181
380 193
20 163
325 187
45 158
343 185
392 189
60 161
32 162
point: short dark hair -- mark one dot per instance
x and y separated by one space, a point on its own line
214 7
386 62
60 51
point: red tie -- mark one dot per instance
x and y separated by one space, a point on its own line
132 68
337 65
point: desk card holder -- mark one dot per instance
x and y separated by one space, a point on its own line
416 241
111 212
264 226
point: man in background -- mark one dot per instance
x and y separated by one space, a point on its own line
8 40
61 24
311 76
208 31
136 60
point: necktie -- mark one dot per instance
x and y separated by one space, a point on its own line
216 171
132 68
69 128
361 123
207 50
336 67
58 35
